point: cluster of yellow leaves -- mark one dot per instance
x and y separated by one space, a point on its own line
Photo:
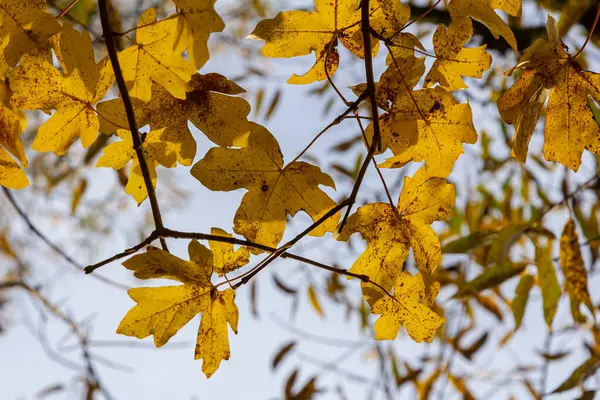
548 70
390 233
27 34
426 124
162 311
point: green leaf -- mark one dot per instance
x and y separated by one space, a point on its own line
468 243
548 282
506 238
579 375
521 297
493 276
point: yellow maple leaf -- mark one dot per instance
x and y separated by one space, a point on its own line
453 60
274 191
483 11
24 26
155 57
162 311
12 123
426 125
570 124
117 155
225 259
571 262
409 307
198 20
38 85
390 233
209 106
389 18
299 33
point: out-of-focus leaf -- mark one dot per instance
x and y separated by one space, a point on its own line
571 262
493 276
468 243
283 287
490 305
519 303
502 244
461 387
273 105
579 375
314 301
77 195
548 282
468 352
50 390
254 298
346 145
282 353
587 395
258 101
532 390
553 356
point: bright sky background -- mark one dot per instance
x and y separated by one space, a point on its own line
172 372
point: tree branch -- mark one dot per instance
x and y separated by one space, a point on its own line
111 47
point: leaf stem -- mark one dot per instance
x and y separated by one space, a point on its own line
111 47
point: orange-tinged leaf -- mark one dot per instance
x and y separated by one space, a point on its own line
391 233
571 262
153 59
162 311
453 60
409 307
314 301
24 26
483 11
570 124
198 19
209 106
274 190
299 33
38 85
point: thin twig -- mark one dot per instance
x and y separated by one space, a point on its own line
111 47
50 244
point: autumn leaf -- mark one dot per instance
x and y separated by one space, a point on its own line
409 307
38 85
571 262
117 155
390 233
390 18
12 123
209 105
548 282
426 125
162 311
453 60
519 303
274 191
24 26
299 33
198 19
483 11
155 58
225 258
570 125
